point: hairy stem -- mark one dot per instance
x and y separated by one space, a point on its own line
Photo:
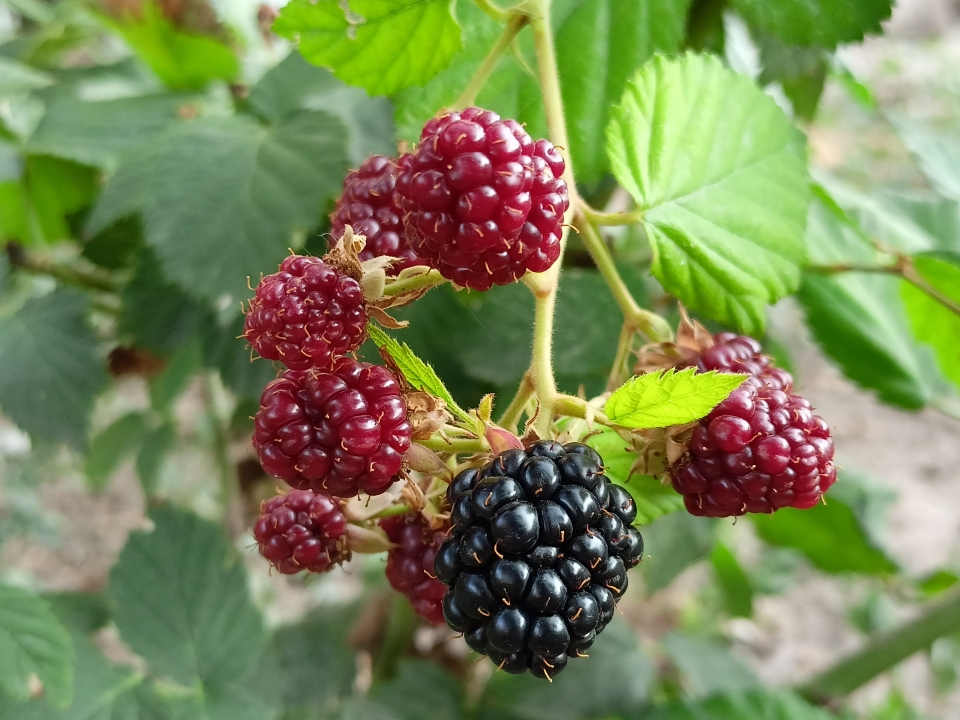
511 416
454 445
650 324
469 95
571 406
425 280
492 10
604 218
619 372
885 650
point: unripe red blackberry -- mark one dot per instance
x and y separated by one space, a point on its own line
370 205
410 564
741 354
306 314
302 530
483 202
340 432
539 548
759 450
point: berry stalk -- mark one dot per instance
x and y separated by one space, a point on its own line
469 95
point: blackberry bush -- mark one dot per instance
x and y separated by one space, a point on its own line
302 530
340 431
539 548
410 563
483 202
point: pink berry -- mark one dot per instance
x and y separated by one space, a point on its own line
410 564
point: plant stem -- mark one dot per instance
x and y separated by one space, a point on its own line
541 364
469 95
492 10
511 416
430 279
391 511
617 375
650 324
604 218
84 279
885 650
909 273
232 512
575 407
454 445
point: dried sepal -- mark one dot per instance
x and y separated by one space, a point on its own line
413 494
426 413
424 460
692 339
345 253
367 540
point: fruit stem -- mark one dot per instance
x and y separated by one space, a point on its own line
609 219
424 280
572 406
469 95
391 511
654 327
492 10
511 416
232 512
884 651
454 445
619 372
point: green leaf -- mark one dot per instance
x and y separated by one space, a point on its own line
225 350
295 84
381 45
733 581
618 674
221 197
181 602
19 79
404 694
416 372
753 705
801 72
857 318
111 445
673 543
933 323
830 535
706 666
82 612
938 153
32 642
669 397
182 60
721 174
166 387
600 45
99 133
826 23
51 367
154 450
937 582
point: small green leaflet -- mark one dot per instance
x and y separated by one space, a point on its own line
418 373
668 397
382 46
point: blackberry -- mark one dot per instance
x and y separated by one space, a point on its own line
306 314
759 450
537 556
371 206
340 431
741 354
410 564
302 530
483 202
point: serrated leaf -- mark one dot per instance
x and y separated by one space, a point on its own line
669 397
403 694
381 45
98 133
32 641
51 367
416 372
673 543
221 198
109 447
155 447
721 174
826 23
938 153
706 666
181 602
751 705
933 323
18 79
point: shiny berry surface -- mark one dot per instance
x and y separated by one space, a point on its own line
306 314
483 202
741 354
410 565
340 432
537 555
370 205
302 530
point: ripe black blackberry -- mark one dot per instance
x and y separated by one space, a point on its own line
538 554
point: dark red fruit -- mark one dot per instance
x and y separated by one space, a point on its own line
741 354
371 206
302 530
410 564
306 314
759 450
483 202
339 432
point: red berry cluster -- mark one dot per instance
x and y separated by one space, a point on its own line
302 530
410 563
759 450
480 201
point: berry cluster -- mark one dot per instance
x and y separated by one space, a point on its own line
410 564
540 545
370 205
302 530
306 314
759 450
339 431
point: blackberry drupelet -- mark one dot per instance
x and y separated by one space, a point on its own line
539 546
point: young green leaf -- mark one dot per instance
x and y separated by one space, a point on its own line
32 641
669 397
52 371
721 174
416 372
931 321
816 22
381 45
